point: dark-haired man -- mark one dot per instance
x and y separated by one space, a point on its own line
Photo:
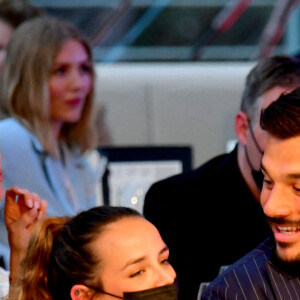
211 216
272 270
12 14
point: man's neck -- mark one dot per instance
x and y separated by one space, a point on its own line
290 268
246 172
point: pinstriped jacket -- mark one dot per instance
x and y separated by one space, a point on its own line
256 276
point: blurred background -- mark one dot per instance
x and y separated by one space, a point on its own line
182 30
171 72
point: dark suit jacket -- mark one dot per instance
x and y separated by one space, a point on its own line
208 217
257 276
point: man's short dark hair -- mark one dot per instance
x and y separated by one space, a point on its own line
280 70
15 12
281 118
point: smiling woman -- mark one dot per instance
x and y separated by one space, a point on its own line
104 253
48 85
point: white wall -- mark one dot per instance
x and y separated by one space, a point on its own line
172 104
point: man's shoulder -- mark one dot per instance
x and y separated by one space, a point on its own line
210 167
259 256
219 172
218 175
245 277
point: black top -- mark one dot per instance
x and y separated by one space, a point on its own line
257 276
208 217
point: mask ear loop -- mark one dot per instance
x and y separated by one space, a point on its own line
255 173
103 292
254 139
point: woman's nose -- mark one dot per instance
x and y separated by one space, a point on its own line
165 276
77 80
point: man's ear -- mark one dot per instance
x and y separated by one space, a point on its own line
80 292
241 127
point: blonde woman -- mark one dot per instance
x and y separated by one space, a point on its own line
47 85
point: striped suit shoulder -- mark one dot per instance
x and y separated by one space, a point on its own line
254 277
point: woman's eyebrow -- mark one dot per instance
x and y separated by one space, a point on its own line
66 62
134 261
140 259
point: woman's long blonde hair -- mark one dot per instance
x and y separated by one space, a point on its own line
24 89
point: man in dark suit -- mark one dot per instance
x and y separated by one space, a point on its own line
211 216
272 270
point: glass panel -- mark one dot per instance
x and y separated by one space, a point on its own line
166 30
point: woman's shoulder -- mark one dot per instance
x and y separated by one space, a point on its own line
13 133
10 126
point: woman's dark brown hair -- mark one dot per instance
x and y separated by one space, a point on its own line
60 256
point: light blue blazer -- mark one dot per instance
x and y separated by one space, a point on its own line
68 188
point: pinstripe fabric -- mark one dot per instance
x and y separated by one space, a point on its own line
254 277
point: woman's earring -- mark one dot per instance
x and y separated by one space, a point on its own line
77 292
